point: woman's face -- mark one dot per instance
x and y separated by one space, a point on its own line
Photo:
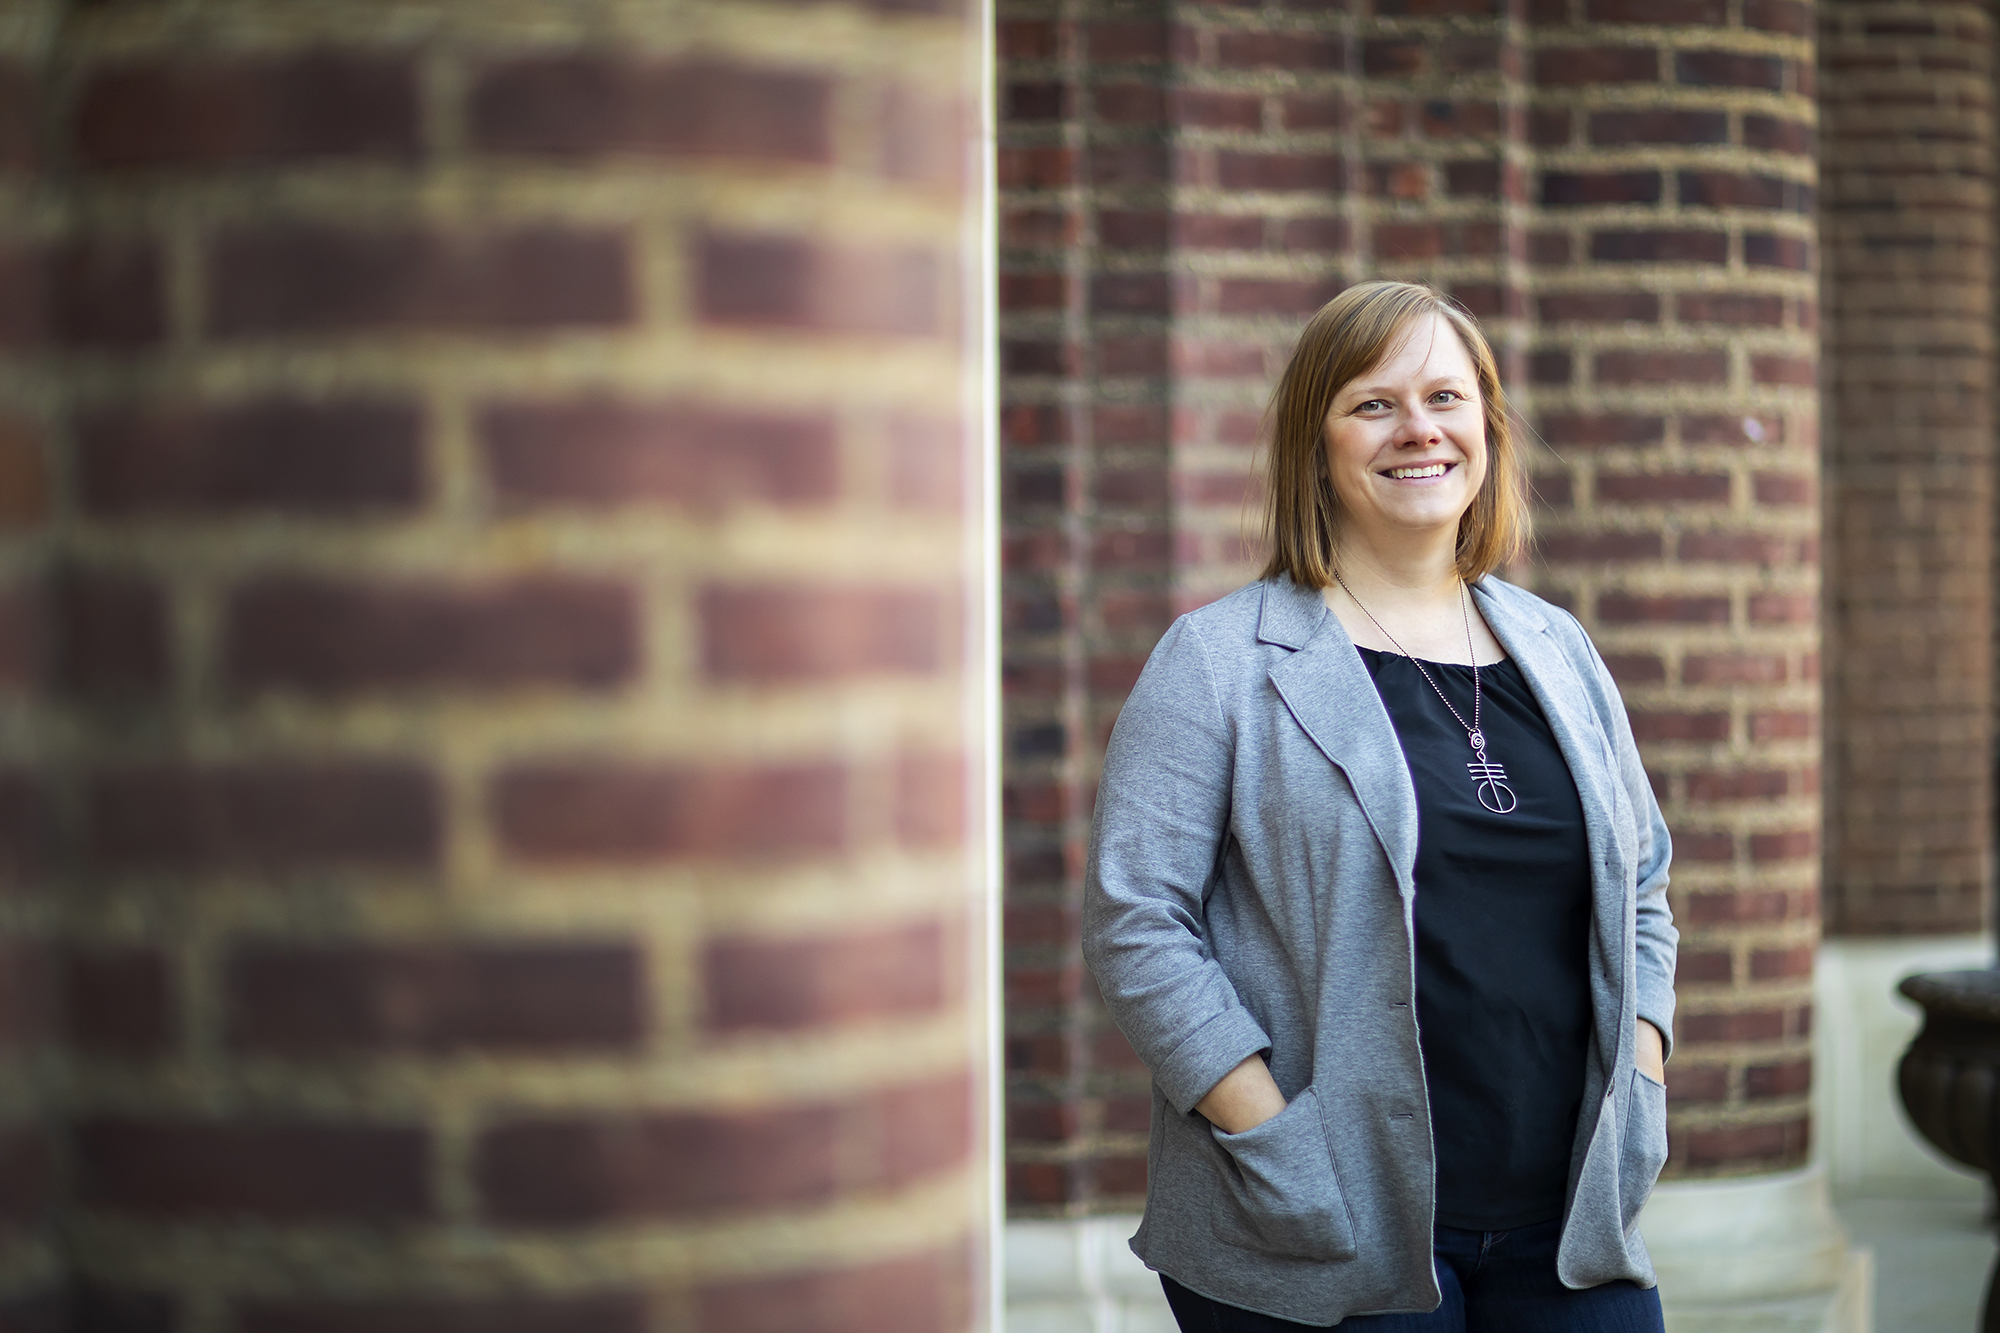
1406 438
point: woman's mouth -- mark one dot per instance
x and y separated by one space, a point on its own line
1419 472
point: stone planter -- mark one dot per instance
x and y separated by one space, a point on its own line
1950 1077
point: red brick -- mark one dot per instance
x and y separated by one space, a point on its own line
925 1294
1598 547
313 279
117 1000
566 1172
1706 846
111 633
1704 13
1597 307
786 984
1035 168
1110 42
20 94
1697 1085
1623 609
1659 247
519 996
287 455
1027 39
1784 609
608 813
1793 1078
1740 308
773 633
263 816
1636 668
1732 668
1408 240
1737 1145
27 1004
607 1313
1318 110
1039 1184
1130 294
1619 128
1325 173
1778 135
1760 1025
1662 487
1780 724
27 1177
930 809
1772 964
274 1171
237 112
788 282
1591 429
1568 65
1774 369
1786 16
338 638
24 830
602 453
1567 188
1738 908
1728 69
1767 251
1708 788
1731 428
1728 189
24 473
574 105
1391 58
1142 163
1280 50
1658 725
1708 965
1792 845
1481 179
1028 101
102 292
1784 488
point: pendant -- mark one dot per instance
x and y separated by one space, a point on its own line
1493 791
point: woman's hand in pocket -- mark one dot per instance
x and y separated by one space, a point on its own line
1652 1052
1246 1097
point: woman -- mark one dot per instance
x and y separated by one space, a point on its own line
1377 888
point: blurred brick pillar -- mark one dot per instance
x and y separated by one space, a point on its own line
30 1260
1673 378
516 499
1907 119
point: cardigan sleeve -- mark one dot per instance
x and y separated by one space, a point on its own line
1163 809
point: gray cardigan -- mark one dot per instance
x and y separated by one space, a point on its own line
1250 889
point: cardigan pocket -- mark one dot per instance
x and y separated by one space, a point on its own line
1643 1150
1282 1193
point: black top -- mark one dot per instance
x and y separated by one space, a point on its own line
1502 919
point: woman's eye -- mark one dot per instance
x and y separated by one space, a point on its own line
1447 396
1373 405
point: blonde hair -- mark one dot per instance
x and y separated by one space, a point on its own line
1351 333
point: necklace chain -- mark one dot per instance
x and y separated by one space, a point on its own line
1489 778
1471 730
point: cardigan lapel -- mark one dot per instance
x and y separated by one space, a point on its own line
1328 691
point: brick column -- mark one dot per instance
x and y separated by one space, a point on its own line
1673 378
30 1261
1907 121
520 764
1182 186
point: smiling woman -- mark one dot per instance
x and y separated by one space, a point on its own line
1377 888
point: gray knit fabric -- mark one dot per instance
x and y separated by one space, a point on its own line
1250 889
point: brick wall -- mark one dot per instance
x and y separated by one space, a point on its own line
1628 206
1908 218
506 590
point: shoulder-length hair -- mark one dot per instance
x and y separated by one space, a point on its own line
1350 334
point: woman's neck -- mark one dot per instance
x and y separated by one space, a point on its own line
1409 601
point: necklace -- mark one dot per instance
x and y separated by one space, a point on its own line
1489 779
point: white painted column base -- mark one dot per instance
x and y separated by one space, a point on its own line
1757 1254
1081 1277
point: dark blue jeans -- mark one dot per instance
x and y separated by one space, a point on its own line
1493 1282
